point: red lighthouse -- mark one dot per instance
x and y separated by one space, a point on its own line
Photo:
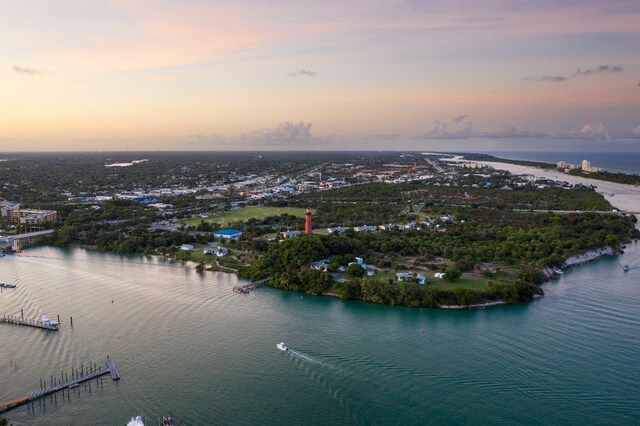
307 224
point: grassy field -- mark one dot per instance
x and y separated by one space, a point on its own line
466 281
244 214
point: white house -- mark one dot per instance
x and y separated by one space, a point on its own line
291 234
439 275
221 252
186 247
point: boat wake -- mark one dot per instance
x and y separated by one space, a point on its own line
307 358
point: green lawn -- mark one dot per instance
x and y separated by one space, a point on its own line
466 281
246 213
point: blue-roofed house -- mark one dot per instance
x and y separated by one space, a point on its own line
228 234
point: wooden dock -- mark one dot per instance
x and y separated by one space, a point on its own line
247 288
112 369
74 382
9 319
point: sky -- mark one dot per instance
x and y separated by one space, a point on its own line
319 75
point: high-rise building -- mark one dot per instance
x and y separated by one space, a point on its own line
307 224
586 167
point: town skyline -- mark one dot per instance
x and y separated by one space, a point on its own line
193 75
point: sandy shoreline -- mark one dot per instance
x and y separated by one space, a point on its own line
621 196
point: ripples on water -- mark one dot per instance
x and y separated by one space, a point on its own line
184 343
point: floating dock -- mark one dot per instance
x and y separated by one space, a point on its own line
9 319
110 368
247 288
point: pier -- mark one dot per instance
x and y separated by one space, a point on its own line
81 377
247 288
9 319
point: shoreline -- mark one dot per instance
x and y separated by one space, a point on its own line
623 197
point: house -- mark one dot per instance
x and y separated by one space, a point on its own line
365 228
222 252
291 234
186 247
320 265
439 275
410 276
337 230
359 260
228 234
404 276
370 272
209 250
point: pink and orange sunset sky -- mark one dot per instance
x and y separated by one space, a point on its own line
261 75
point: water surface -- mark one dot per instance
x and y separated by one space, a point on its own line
185 343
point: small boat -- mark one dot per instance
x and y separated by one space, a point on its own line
558 271
5 285
167 421
281 346
136 421
626 268
45 320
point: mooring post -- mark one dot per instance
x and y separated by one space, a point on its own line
71 321
22 312
58 318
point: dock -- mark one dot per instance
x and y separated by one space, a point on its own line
9 319
247 288
110 368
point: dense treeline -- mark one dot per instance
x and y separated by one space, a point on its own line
547 242
609 176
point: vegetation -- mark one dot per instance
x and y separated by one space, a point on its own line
258 213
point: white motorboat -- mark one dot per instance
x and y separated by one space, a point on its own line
281 346
45 320
136 421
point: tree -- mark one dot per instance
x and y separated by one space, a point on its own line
356 270
200 267
452 274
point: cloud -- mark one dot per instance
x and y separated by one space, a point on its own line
460 118
301 72
594 129
386 136
29 71
440 130
600 69
285 132
547 78
599 132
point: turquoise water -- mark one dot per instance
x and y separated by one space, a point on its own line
185 343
